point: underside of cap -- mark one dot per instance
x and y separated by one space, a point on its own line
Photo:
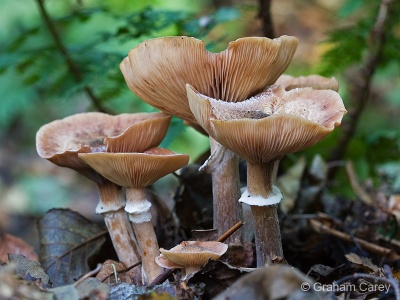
158 69
135 170
194 253
271 124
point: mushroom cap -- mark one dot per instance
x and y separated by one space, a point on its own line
316 82
158 69
60 141
271 124
192 253
135 170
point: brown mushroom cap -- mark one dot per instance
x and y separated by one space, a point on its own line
136 170
60 141
271 124
158 69
316 82
191 253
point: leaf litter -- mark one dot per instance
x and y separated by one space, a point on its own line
343 249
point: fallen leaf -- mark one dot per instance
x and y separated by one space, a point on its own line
318 169
65 292
289 184
30 270
362 261
217 276
11 287
275 282
67 242
241 255
92 288
107 270
130 291
15 245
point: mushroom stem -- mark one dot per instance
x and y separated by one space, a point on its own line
138 208
265 216
226 192
189 270
111 204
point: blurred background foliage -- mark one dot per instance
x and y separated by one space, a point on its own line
58 58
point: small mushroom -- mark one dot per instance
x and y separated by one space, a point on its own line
158 69
136 171
190 256
262 130
60 142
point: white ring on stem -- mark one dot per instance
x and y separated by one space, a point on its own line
275 198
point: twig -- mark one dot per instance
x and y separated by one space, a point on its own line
228 233
266 18
360 85
391 241
89 274
73 67
322 228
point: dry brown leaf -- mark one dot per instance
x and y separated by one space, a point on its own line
107 272
10 244
92 288
240 255
11 287
275 282
30 270
362 261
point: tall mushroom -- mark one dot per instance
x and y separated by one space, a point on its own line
262 129
60 142
136 171
158 69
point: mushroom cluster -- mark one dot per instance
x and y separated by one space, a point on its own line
262 130
238 97
157 71
114 152
136 171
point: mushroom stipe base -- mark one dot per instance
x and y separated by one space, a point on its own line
267 235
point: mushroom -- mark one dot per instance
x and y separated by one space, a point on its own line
190 256
158 69
314 81
60 142
263 129
136 171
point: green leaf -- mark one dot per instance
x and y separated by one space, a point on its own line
176 127
349 7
